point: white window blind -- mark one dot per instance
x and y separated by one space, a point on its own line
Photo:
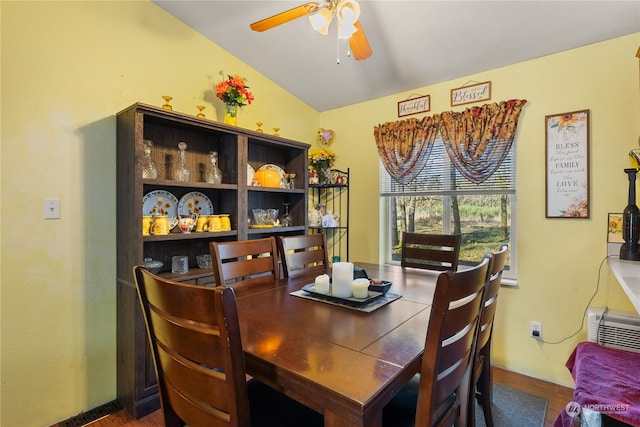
439 177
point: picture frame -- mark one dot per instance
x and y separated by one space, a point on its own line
614 228
567 165
472 93
418 105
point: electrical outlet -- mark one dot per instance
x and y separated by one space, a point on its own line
536 330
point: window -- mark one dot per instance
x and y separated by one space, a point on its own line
441 200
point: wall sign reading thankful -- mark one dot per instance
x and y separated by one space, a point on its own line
411 106
469 94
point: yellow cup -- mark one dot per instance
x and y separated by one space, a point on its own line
160 226
202 224
214 223
225 222
146 225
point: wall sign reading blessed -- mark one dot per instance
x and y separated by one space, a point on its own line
411 106
469 94
567 165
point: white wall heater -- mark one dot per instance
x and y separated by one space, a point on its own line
615 329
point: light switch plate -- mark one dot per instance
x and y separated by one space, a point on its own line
51 208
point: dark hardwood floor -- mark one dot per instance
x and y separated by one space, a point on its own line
558 397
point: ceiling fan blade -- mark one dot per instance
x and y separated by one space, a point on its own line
286 16
359 44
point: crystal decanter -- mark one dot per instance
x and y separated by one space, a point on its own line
149 170
182 173
213 174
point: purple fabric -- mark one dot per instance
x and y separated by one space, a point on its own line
607 380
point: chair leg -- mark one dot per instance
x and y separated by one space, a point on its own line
171 419
466 389
471 408
485 391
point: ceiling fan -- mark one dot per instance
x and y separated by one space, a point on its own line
347 13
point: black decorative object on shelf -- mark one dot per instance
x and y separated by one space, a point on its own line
630 249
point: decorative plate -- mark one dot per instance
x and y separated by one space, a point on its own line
273 167
250 173
161 202
195 202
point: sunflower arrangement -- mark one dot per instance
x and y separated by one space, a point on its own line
321 159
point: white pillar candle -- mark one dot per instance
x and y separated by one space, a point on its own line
322 284
361 288
342 273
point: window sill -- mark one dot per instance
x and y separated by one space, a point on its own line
510 283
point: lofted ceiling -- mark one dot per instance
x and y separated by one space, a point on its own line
415 43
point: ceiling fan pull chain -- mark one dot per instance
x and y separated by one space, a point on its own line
338 51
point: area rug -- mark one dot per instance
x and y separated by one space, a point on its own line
511 408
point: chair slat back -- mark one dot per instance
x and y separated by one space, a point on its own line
491 297
197 351
305 254
245 263
439 252
449 347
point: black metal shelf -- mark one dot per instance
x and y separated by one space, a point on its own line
335 198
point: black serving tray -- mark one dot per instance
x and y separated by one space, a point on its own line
310 288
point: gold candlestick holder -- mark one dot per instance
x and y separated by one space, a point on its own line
166 104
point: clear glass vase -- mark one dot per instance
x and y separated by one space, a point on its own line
213 174
324 176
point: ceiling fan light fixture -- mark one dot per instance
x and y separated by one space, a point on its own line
321 21
348 12
349 28
346 31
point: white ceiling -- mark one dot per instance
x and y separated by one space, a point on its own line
415 43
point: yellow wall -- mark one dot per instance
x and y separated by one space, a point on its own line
68 67
558 259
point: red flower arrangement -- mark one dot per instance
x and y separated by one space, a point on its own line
234 91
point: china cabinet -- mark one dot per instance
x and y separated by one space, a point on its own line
183 142
331 202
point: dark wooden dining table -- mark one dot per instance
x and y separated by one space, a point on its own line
343 363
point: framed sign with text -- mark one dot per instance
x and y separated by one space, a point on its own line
567 165
471 93
411 106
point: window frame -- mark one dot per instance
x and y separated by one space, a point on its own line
510 274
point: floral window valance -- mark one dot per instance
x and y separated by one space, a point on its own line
476 140
404 146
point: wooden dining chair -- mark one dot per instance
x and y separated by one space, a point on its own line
443 383
431 251
197 352
482 384
244 264
304 254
